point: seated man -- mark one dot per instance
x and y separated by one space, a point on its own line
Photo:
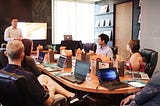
148 96
41 91
104 49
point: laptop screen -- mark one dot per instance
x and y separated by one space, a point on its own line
82 68
67 37
61 61
41 56
107 75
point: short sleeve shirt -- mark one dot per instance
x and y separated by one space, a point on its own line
105 51
12 33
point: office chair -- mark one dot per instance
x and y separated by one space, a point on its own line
14 91
90 46
115 51
150 57
3 58
3 45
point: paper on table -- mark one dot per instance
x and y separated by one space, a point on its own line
137 84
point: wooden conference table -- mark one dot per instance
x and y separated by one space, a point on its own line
93 86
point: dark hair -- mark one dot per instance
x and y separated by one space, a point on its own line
134 45
27 46
104 37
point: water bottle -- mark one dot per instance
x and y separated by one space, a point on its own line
88 79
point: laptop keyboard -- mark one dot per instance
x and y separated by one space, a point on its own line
115 85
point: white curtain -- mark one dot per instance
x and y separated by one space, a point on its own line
73 18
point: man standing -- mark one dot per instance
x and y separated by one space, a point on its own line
104 49
13 32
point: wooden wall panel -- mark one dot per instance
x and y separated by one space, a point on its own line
123 27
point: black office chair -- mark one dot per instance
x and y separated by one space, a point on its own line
150 57
3 58
14 91
11 93
89 46
115 51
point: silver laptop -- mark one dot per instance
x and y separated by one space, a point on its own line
80 72
67 37
56 67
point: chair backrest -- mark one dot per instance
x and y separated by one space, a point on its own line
150 57
3 58
115 51
13 90
90 46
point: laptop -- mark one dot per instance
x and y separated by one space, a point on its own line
67 37
56 67
80 72
40 57
109 78
139 75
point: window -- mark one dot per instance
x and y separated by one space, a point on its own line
73 18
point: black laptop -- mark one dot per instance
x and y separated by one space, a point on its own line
40 57
80 72
109 78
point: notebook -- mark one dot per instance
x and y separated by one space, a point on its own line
67 37
109 78
80 72
139 75
40 57
56 67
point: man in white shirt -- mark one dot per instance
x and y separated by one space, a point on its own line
104 49
13 32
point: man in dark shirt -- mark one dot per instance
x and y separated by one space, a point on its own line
42 90
148 96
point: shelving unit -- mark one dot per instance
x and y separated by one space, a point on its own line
104 13
139 19
104 21
110 14
136 20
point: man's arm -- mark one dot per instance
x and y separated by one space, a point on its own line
145 94
127 100
20 35
7 35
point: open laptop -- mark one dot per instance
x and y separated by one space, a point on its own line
67 37
80 72
109 78
40 57
56 67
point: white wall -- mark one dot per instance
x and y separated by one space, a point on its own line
150 26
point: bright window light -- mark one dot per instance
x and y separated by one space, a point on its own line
73 18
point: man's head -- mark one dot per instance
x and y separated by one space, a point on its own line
15 50
103 39
14 22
